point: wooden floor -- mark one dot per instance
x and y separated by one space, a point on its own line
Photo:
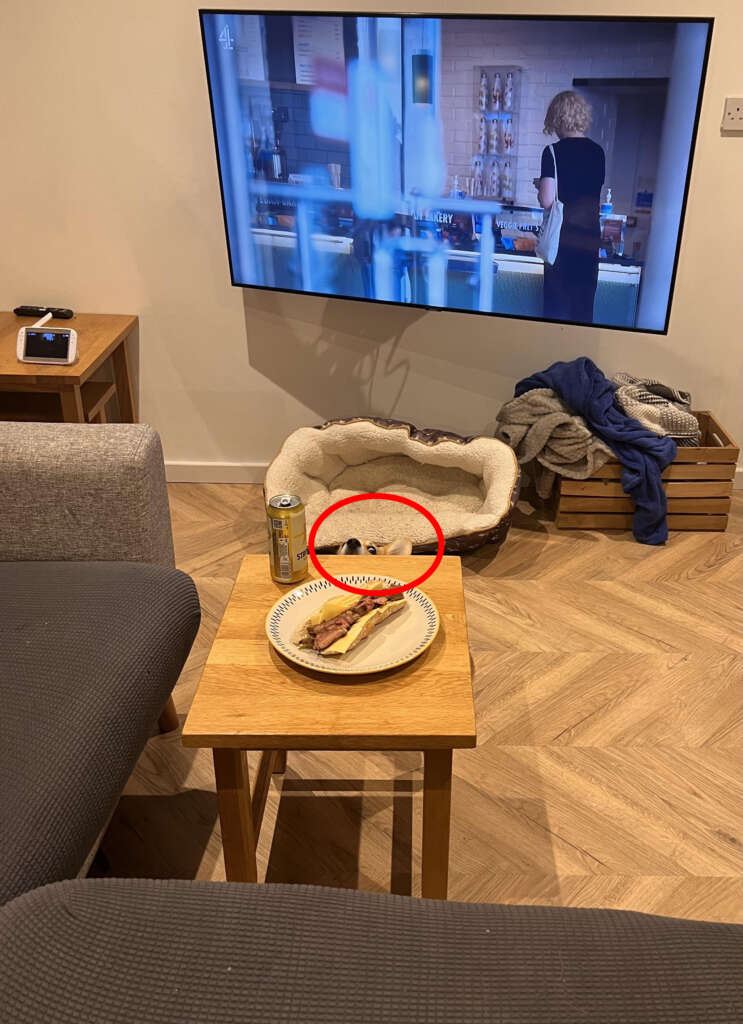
608 768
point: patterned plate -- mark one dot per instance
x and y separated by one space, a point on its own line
399 639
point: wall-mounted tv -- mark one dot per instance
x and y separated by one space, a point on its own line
411 159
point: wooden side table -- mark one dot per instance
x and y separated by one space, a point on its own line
31 391
250 698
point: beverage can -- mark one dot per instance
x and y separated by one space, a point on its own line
287 538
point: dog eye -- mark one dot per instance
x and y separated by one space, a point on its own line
371 549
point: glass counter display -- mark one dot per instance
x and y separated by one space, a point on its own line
515 288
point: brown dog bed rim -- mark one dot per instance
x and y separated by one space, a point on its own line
429 437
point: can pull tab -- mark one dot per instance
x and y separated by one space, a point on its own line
285 502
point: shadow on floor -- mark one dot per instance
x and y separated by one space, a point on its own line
317 835
158 836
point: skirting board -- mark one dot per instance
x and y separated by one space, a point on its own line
215 472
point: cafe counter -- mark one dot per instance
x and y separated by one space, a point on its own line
517 277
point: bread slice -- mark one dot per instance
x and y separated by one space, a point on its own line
361 629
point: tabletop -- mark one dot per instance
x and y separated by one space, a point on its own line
249 697
98 334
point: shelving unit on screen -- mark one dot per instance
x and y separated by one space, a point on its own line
496 111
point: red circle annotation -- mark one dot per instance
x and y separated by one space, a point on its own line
369 497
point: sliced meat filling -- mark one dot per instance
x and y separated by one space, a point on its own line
328 636
326 633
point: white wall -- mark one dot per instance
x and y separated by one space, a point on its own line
110 203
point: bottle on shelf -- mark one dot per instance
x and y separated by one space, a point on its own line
497 96
456 192
263 161
507 182
508 94
478 166
508 136
607 206
493 137
483 100
494 180
252 147
278 162
483 142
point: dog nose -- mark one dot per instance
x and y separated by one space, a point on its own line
352 542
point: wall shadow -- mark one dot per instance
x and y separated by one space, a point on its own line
340 356
328 353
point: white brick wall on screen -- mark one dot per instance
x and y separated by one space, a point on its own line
551 55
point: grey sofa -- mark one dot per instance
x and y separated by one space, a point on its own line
96 625
178 952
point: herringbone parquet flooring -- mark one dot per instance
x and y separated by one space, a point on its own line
608 769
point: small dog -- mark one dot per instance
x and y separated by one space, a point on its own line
353 546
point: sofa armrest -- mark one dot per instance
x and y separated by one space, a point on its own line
83 492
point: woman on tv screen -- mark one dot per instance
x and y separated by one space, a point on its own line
570 283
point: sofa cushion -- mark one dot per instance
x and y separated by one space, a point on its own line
90 652
470 484
178 952
109 477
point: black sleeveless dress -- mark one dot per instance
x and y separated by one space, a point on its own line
570 283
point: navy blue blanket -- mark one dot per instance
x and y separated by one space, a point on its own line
643 455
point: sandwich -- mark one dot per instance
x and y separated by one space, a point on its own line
343 622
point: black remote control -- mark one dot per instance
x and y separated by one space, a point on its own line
39 311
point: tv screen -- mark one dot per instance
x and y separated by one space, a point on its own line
533 167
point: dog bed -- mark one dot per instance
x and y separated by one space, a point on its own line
470 484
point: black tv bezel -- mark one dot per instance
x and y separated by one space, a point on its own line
608 18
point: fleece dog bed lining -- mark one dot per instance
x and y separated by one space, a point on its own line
469 484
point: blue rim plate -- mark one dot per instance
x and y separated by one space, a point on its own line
398 640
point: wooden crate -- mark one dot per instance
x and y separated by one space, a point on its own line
698 484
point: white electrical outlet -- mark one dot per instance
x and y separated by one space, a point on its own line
732 115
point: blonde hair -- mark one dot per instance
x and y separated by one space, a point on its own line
567 112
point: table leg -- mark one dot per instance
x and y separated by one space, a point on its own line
72 406
436 817
122 377
235 816
168 720
279 764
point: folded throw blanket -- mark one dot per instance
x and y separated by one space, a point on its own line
658 407
644 455
539 426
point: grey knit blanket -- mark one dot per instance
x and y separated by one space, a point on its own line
543 431
660 408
